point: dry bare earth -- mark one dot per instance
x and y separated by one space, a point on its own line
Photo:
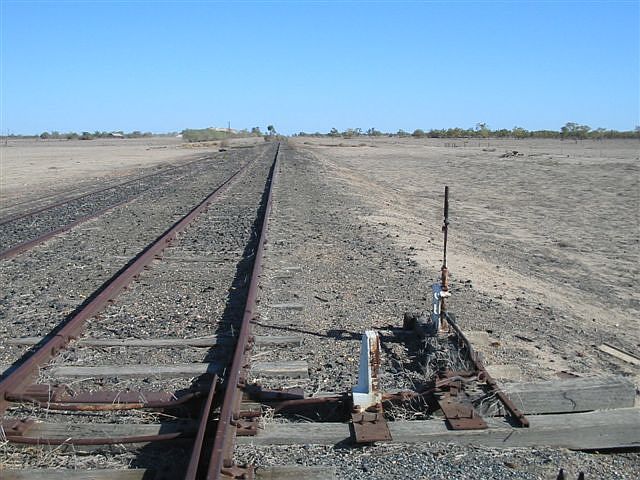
355 241
35 168
47 166
552 234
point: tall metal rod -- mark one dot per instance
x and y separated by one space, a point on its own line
445 225
444 271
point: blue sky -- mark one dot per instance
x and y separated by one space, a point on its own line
311 66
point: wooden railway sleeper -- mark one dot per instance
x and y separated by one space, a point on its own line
14 431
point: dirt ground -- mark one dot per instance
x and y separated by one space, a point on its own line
554 227
50 166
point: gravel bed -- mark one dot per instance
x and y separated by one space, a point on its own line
343 278
46 284
205 298
39 223
197 289
440 461
46 195
340 274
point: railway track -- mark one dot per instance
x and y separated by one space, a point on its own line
210 367
22 231
228 226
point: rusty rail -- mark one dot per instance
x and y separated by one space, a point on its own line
483 375
29 244
60 338
221 459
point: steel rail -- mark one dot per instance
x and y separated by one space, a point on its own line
483 375
61 337
223 443
29 244
196 451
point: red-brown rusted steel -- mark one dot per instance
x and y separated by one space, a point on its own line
457 407
444 271
258 393
305 402
224 440
29 244
24 373
196 452
369 427
483 375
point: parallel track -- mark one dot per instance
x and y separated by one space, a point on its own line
91 201
17 385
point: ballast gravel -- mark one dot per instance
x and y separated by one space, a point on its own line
329 275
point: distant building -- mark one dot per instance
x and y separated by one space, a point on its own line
220 129
116 135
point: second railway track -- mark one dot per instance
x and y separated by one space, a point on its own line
176 324
22 231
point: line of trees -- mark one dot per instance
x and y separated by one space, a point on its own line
92 135
213 134
570 130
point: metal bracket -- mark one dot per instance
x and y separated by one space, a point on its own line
367 394
237 472
437 298
460 415
456 403
369 427
246 427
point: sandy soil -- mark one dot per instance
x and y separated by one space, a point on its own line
556 227
34 163
31 168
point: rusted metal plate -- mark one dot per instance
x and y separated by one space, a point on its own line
246 427
15 427
256 392
459 415
370 427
